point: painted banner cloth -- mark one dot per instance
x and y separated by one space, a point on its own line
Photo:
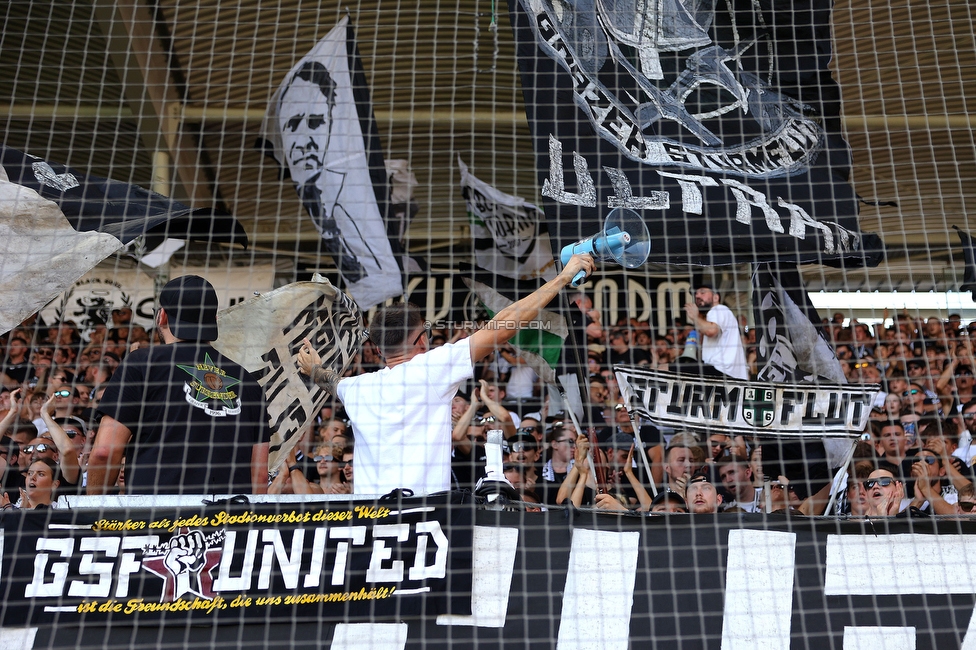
667 582
748 408
225 564
718 122
264 334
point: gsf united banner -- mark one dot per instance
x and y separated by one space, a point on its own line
336 560
717 122
749 408
668 582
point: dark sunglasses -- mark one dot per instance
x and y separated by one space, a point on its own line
41 448
931 460
519 447
913 391
883 482
344 463
71 434
967 506
425 332
528 430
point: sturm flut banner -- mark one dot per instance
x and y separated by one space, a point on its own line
747 408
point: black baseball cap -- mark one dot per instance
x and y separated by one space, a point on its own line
73 421
527 439
621 440
191 307
673 497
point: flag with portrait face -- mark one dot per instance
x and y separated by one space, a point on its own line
320 129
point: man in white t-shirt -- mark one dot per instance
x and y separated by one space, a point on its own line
721 344
401 414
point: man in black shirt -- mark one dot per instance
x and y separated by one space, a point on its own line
187 419
620 350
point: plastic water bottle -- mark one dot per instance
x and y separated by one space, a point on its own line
691 346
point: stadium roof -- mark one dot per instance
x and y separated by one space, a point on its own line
103 86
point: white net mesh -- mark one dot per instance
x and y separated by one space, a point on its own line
447 153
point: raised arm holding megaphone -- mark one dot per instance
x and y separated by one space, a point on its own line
624 240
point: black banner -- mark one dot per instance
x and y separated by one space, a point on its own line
119 209
668 582
336 560
717 122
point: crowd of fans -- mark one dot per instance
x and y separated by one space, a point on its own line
914 458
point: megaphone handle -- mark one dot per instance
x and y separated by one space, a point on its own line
578 279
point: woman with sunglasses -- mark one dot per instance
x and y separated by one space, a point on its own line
68 436
43 479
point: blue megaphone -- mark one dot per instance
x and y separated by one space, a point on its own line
624 240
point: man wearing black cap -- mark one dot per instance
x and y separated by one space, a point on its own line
701 495
187 419
721 343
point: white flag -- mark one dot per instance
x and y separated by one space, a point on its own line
42 255
314 128
263 334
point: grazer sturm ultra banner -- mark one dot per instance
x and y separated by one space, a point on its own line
325 560
748 408
718 123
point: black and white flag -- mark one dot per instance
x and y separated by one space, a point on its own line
969 255
263 334
790 345
510 234
320 129
717 122
57 223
